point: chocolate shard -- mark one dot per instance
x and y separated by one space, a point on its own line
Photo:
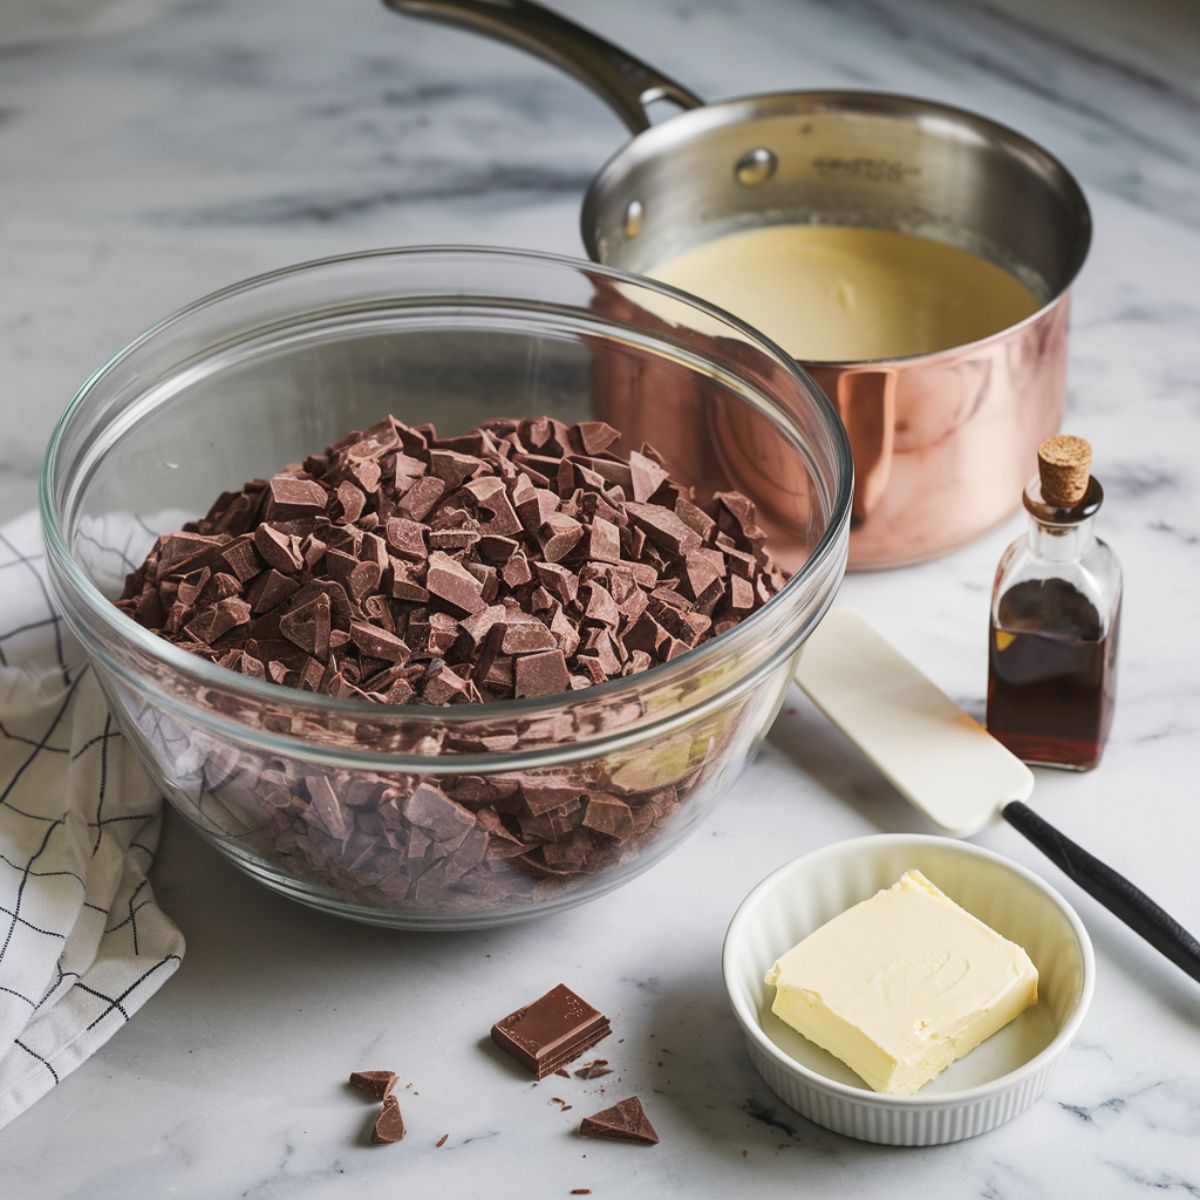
325 807
180 552
550 1032
604 541
301 495
352 501
625 1121
430 809
389 1125
453 468
646 476
279 550
662 527
307 625
217 621
595 1069
594 437
559 535
407 538
450 581
541 674
610 816
378 643
241 559
525 634
418 501
407 471
377 1084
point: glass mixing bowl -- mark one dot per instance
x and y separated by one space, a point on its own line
338 803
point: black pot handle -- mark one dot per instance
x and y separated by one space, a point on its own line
625 83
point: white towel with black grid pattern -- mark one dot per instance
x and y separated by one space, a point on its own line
83 944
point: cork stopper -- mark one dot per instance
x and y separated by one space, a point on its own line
1064 465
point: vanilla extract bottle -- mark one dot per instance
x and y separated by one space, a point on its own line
1056 609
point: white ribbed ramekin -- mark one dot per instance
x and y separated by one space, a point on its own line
993 1084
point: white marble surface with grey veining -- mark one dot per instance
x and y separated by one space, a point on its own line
151 150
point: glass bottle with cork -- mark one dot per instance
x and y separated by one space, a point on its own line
1056 608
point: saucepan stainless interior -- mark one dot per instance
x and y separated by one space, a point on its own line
943 442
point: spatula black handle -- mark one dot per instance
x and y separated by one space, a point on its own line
1111 888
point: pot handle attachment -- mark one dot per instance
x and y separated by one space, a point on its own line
626 84
866 402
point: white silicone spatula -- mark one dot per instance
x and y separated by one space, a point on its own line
951 768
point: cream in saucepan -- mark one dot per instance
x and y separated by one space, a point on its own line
841 293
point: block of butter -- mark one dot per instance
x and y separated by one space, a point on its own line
902 985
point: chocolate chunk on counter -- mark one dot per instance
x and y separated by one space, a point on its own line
521 559
389 1125
378 1084
623 1122
594 1070
551 1032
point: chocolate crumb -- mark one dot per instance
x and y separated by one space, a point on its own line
441 1141
594 1070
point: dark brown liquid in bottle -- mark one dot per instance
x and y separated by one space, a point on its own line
1050 679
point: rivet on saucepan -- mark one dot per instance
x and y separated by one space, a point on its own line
755 167
634 212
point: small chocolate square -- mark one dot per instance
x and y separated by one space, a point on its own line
551 1032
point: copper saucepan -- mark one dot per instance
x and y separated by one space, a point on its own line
943 442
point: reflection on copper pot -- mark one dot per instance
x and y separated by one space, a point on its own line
944 443
713 440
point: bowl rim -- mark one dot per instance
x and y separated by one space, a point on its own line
755 1033
206 674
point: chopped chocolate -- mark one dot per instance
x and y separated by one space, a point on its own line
378 643
610 816
410 538
522 559
625 1121
646 476
663 528
418 501
378 1084
239 556
543 674
551 1032
307 625
297 495
450 581
389 1125
279 550
597 1068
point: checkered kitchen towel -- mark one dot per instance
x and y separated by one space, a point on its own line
83 945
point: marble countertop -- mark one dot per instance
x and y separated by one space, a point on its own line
151 150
